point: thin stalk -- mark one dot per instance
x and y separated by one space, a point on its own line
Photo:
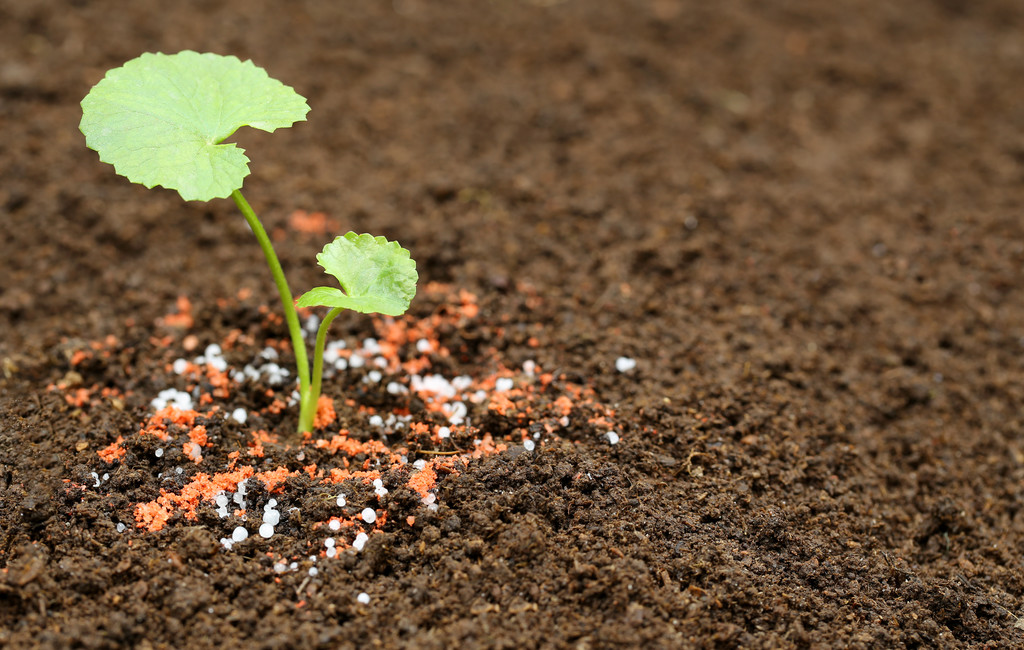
308 411
287 302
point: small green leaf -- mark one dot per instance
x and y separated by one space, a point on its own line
376 276
160 118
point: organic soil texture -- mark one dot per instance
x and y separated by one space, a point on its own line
718 340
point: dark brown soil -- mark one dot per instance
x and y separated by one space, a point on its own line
802 219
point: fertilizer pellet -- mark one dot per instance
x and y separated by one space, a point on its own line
360 541
625 364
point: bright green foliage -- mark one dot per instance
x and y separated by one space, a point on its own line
160 118
376 276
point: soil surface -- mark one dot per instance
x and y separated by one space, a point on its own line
717 343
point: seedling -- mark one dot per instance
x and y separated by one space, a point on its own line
161 119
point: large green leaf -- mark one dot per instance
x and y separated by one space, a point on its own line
160 118
376 276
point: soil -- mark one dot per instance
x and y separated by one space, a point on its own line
801 220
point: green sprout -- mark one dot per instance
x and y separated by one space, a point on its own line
161 119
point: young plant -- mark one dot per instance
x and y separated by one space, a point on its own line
161 119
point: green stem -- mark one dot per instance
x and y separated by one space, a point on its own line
287 302
308 411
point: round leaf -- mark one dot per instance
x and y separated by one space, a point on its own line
160 118
376 276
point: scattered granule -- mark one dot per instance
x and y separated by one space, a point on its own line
235 337
276 407
259 437
79 356
337 523
338 475
198 436
325 414
203 487
183 317
272 318
487 447
532 403
563 405
468 307
312 223
341 442
423 481
500 404
183 367
109 392
389 351
113 451
152 516
79 397
162 341
416 366
625 364
206 488
419 428
219 380
276 478
158 424
193 452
